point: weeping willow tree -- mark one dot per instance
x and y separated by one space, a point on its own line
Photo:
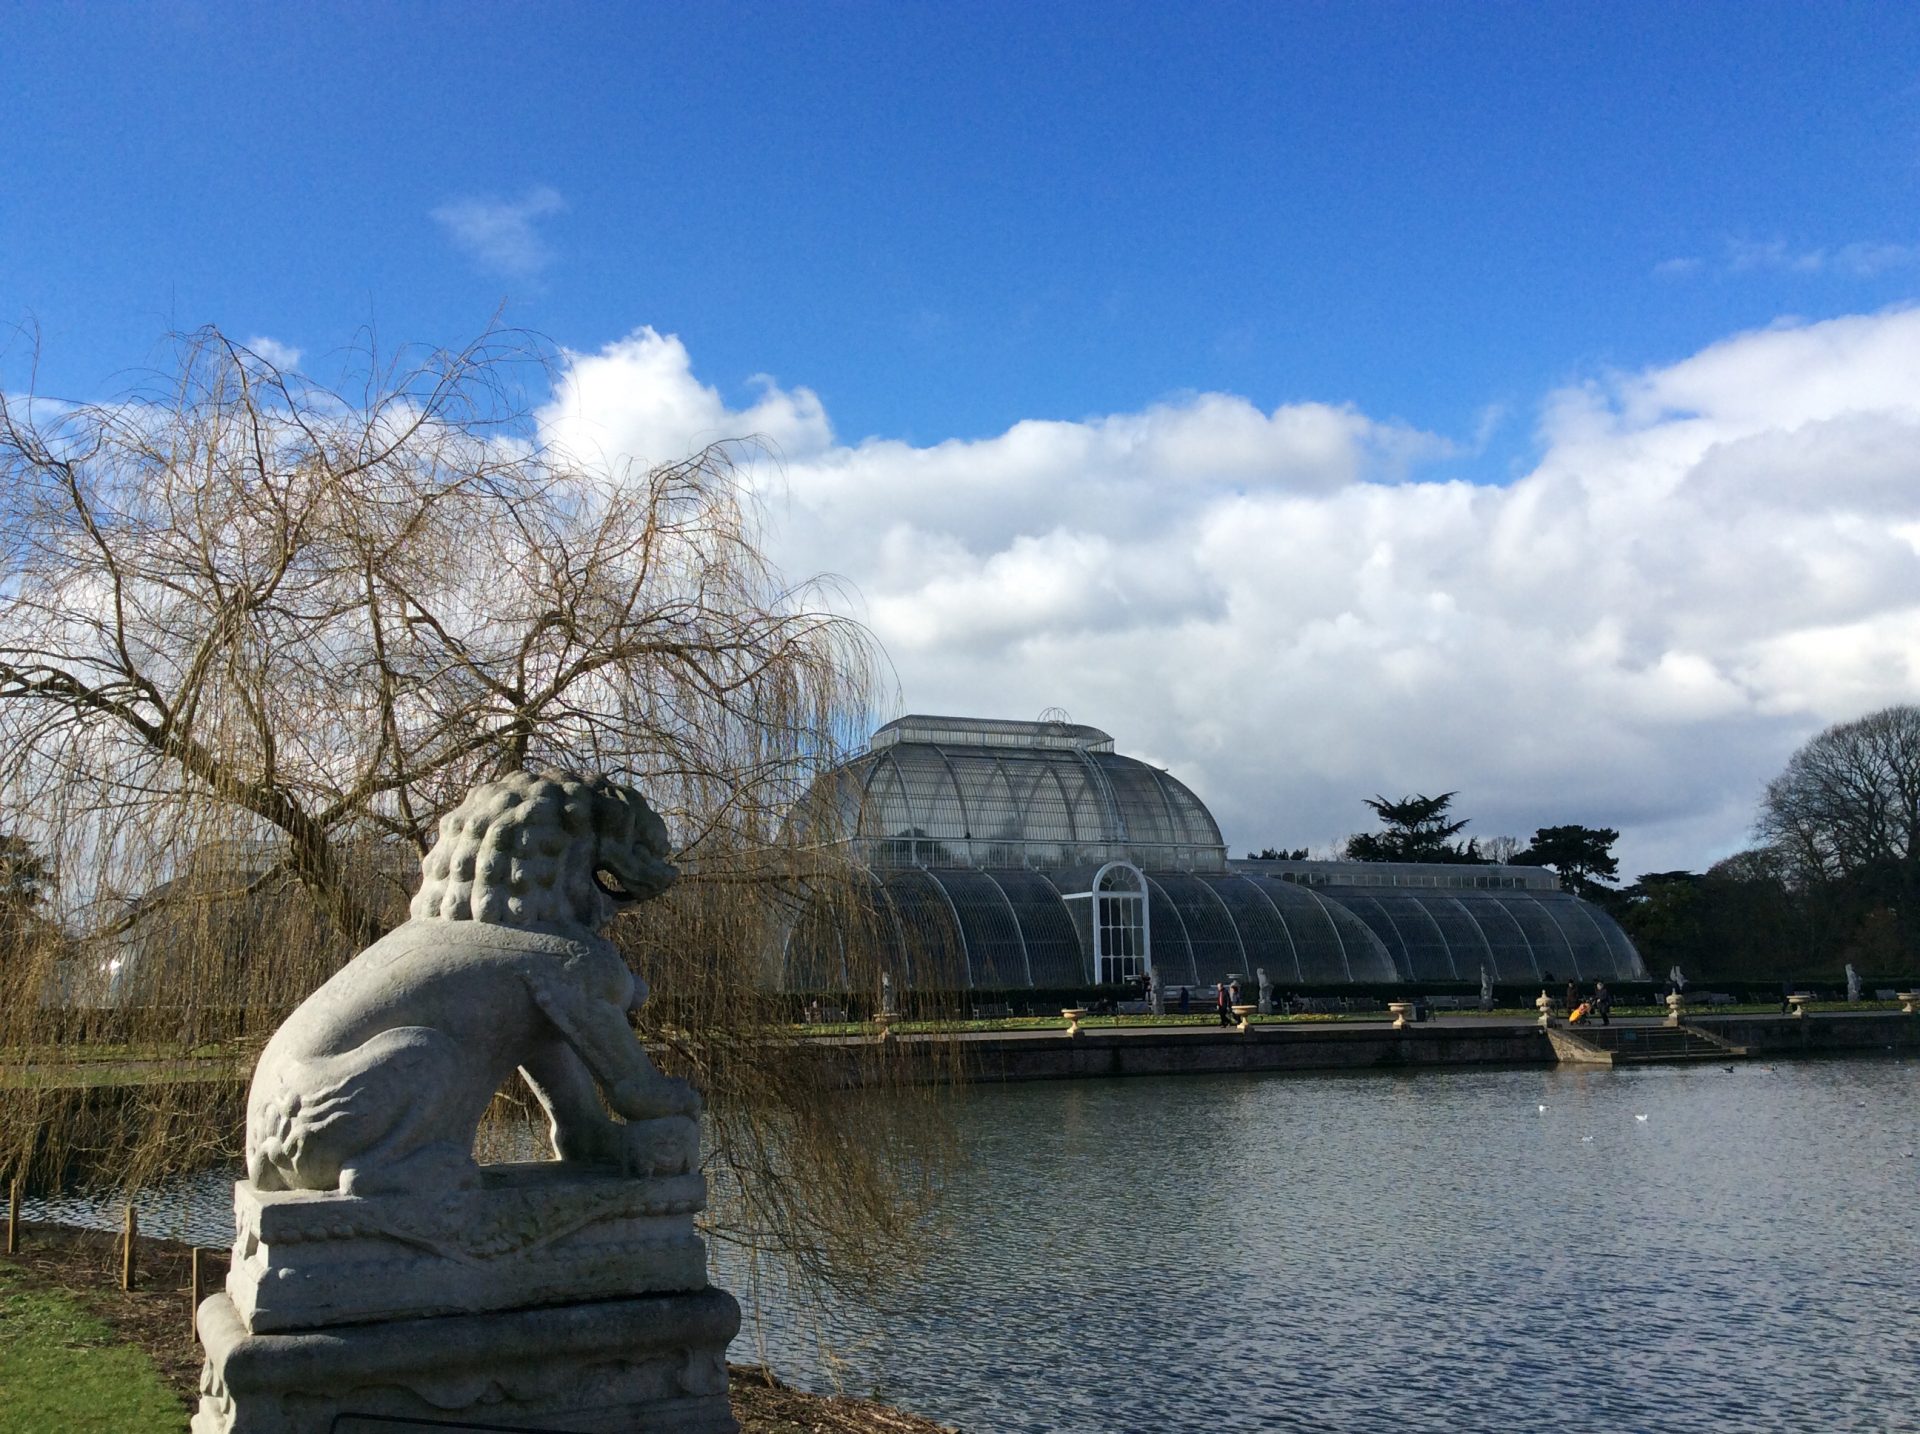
257 634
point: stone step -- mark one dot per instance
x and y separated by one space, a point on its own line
1639 1045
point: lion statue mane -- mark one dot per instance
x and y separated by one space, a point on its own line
378 1081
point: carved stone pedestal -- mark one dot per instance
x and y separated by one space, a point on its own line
656 1364
549 1297
537 1234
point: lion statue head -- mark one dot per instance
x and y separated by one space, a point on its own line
550 849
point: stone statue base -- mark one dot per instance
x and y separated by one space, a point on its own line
548 1296
651 1365
535 1234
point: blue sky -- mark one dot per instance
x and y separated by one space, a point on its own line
1283 269
947 218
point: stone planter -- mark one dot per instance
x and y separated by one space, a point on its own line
885 1022
1907 999
1799 1001
1402 1012
1243 1012
1676 1007
1073 1016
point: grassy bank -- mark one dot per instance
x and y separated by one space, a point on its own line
62 1367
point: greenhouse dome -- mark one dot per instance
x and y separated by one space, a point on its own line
1005 855
974 792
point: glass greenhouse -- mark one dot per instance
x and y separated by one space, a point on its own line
1007 855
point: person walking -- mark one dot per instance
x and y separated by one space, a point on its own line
1186 1003
1220 1003
1603 1003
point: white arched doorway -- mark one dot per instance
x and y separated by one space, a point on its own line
1122 938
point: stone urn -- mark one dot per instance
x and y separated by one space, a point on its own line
1544 1005
1243 1012
1073 1016
884 1021
1676 1005
1799 1000
1907 1000
1402 1012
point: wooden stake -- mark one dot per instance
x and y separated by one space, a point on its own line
13 1216
193 1302
126 1248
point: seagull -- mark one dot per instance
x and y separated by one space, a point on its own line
1543 1109
1639 1117
1586 1137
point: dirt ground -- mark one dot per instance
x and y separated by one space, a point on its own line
158 1317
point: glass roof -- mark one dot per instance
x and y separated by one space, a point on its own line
947 792
991 732
1002 929
1528 934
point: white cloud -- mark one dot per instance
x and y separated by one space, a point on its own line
500 235
1861 259
281 356
1709 561
638 400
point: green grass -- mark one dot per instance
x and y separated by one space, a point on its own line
60 1368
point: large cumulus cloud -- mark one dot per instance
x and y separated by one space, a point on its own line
1707 562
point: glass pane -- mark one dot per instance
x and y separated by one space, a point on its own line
1054 951
1509 956
995 955
1209 927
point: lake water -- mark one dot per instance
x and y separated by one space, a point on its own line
1421 1251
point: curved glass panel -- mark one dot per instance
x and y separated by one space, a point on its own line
1054 951
1422 950
1172 955
935 953
914 803
1265 935
1466 947
1510 956
1550 949
1014 928
1594 940
996 956
1443 934
1324 948
814 959
1212 940
1379 923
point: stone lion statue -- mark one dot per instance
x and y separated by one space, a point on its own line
378 1081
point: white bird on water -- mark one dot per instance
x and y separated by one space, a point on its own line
1543 1108
1639 1117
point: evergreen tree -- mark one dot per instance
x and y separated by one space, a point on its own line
1416 828
1582 857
